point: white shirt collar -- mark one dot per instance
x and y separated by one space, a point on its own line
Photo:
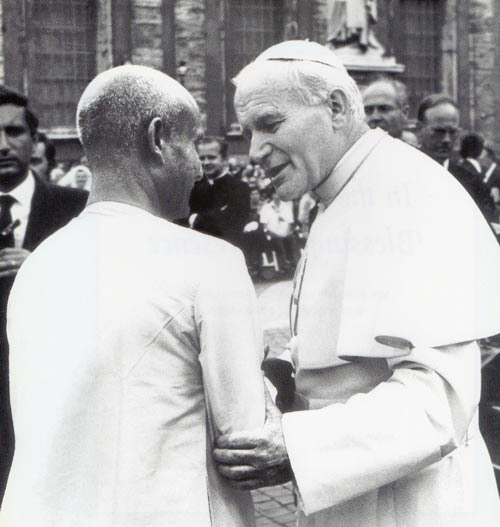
115 207
23 193
475 163
328 190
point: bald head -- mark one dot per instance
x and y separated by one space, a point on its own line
117 107
138 128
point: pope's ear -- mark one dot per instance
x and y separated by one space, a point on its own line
339 106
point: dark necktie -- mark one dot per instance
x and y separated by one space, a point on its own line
6 238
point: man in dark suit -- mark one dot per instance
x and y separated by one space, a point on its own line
219 203
439 117
472 175
30 211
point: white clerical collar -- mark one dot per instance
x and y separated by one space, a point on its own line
328 190
23 193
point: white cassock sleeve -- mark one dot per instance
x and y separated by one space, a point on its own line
403 425
231 345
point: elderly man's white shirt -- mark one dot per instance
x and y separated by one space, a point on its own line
124 330
393 291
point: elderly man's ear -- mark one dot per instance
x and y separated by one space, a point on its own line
156 138
339 106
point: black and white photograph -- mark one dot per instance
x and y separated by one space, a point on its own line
250 263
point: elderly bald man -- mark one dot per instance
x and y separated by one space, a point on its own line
390 296
142 334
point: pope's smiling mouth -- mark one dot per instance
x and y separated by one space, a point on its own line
275 170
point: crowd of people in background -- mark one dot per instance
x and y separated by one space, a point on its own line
235 200
43 161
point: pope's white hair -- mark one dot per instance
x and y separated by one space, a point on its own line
116 108
307 82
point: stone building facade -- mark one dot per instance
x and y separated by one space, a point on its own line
50 49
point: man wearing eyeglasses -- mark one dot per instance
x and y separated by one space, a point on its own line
439 117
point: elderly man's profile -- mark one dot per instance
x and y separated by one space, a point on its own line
399 279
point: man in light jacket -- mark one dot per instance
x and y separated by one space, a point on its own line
125 334
399 278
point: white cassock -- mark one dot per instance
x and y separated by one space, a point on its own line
400 276
124 329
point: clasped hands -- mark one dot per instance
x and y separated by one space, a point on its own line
254 459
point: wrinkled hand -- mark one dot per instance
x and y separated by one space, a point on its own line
250 460
11 260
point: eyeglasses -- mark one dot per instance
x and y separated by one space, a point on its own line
380 108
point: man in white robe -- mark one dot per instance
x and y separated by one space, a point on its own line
125 333
400 277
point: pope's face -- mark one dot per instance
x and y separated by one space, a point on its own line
292 142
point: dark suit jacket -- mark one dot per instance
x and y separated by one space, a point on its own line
472 181
51 208
223 208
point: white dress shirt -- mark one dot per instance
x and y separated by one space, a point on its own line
20 210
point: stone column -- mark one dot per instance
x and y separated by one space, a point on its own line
463 65
449 50
104 37
168 37
215 73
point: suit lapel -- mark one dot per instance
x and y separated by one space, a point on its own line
37 216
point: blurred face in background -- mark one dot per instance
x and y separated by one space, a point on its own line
440 131
233 165
382 108
211 159
254 199
81 178
39 162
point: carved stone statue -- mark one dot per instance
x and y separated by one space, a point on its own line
350 33
351 22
